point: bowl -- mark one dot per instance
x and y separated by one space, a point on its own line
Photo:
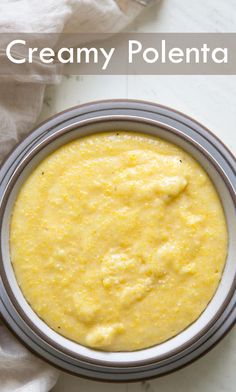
220 314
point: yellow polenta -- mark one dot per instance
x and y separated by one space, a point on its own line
118 240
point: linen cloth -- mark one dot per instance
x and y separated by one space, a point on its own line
20 103
21 99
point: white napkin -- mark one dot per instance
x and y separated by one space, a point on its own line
21 101
20 104
20 370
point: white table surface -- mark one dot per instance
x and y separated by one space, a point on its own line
209 99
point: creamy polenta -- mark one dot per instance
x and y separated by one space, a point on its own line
118 240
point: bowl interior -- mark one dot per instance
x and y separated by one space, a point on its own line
217 175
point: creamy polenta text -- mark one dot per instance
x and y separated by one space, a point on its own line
118 240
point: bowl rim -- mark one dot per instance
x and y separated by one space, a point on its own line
147 103
39 147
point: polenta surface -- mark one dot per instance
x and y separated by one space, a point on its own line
118 240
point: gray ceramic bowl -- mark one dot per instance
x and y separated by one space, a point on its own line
219 315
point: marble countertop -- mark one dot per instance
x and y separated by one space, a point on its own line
210 100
